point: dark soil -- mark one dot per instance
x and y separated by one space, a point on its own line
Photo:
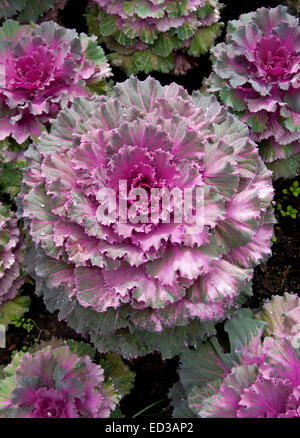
281 272
154 376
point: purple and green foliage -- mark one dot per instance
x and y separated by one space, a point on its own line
11 257
258 378
162 35
43 68
62 380
256 74
26 11
138 286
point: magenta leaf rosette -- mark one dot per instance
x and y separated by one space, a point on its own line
27 11
258 378
59 381
161 35
147 282
43 68
11 256
256 74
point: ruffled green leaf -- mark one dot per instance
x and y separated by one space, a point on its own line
203 39
230 97
165 44
204 364
147 61
205 10
8 8
120 374
241 329
80 348
179 402
287 168
34 9
13 309
108 24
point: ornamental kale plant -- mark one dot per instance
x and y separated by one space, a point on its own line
26 11
162 35
258 378
145 282
43 68
11 255
61 382
256 73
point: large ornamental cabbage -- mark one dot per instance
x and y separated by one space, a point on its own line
11 255
26 11
43 68
55 383
256 73
258 378
147 280
148 35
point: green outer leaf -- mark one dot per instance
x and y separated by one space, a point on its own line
120 374
10 369
290 125
9 29
143 10
93 23
165 44
100 87
14 308
7 385
293 101
11 177
177 9
185 31
123 39
203 365
143 60
205 10
34 9
147 61
230 97
241 328
129 7
257 124
93 51
124 62
8 8
204 38
178 398
287 168
108 24
80 348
